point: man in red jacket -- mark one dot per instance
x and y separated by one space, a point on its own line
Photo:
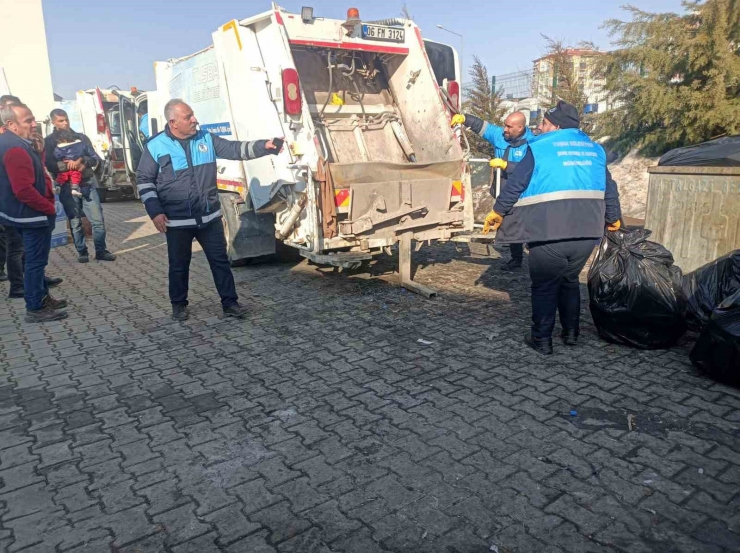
27 204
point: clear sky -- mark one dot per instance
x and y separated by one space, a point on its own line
102 44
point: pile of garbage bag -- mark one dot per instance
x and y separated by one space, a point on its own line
713 293
636 292
709 286
717 352
639 298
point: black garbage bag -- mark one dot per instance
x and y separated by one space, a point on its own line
635 291
720 152
717 352
709 286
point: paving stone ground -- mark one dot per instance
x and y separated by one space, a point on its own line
321 423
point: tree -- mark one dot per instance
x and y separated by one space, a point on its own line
482 101
675 79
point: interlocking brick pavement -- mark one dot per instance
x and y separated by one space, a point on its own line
321 423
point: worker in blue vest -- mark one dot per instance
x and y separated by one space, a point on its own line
510 145
558 201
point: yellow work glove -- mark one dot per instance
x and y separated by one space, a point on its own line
615 226
492 222
457 119
498 163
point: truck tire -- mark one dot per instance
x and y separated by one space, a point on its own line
102 194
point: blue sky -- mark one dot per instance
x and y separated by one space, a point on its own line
115 43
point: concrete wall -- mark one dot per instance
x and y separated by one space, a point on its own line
24 55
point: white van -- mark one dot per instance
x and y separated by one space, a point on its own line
111 119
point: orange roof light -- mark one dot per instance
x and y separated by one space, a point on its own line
353 14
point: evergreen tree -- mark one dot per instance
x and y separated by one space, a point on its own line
482 101
675 79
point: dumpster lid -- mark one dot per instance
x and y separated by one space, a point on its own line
721 152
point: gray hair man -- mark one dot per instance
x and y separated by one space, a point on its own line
177 182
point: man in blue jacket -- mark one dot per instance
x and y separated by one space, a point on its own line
557 200
177 182
510 145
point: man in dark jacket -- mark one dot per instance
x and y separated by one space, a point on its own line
11 243
27 205
177 182
89 202
557 200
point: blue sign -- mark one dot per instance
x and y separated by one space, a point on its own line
219 129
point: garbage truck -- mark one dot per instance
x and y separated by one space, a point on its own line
370 160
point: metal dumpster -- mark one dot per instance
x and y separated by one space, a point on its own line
694 212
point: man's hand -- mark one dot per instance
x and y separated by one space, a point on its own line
493 222
615 226
38 142
457 119
274 144
73 165
160 221
498 163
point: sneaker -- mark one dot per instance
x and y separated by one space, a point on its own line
105 256
180 312
237 311
512 265
53 281
52 303
16 294
3 276
45 315
83 258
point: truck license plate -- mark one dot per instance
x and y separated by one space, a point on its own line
388 34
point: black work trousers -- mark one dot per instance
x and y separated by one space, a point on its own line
554 268
517 252
11 252
180 250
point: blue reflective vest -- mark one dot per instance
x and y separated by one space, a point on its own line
565 196
567 165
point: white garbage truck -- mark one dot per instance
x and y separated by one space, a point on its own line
369 161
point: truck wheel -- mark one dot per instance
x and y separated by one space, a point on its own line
102 194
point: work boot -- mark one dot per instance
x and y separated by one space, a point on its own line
16 294
45 315
540 345
570 337
237 311
52 281
105 256
512 265
3 276
180 312
83 257
52 303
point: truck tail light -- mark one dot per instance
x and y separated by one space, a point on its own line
453 90
101 123
292 92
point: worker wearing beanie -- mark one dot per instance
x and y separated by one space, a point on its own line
557 200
